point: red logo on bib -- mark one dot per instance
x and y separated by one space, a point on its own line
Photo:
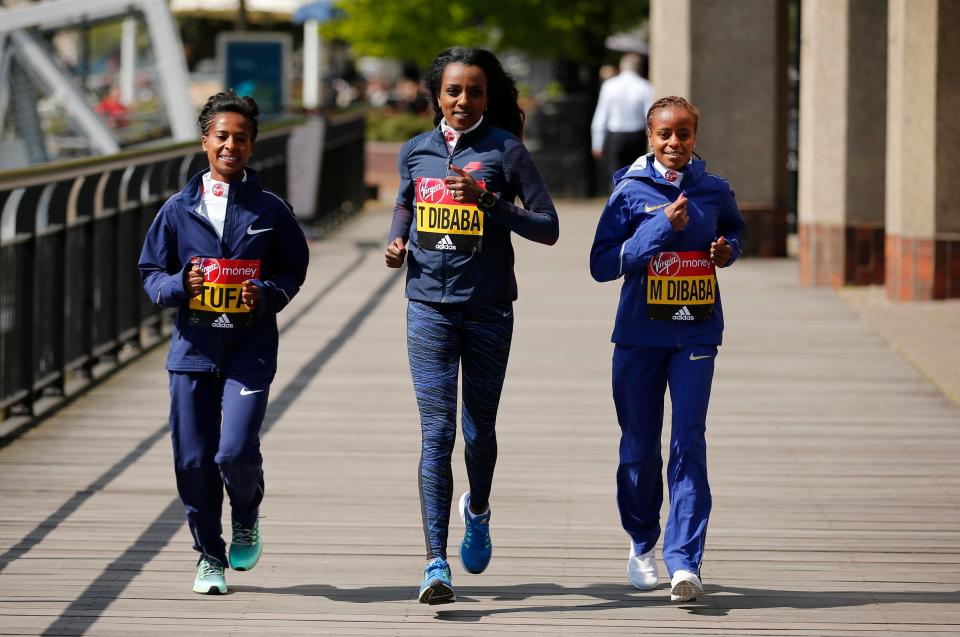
217 190
666 264
671 176
227 271
431 190
211 270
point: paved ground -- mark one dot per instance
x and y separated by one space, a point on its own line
926 334
833 465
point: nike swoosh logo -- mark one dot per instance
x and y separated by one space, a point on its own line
250 230
692 357
246 392
649 208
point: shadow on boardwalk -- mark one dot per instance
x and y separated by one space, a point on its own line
717 600
833 467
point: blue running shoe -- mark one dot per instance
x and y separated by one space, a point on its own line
245 547
476 549
437 587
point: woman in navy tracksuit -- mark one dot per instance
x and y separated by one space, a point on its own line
452 222
665 228
228 255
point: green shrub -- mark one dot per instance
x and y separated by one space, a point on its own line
386 126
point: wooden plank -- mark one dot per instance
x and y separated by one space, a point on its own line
833 470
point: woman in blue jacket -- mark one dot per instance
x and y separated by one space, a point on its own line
452 223
229 255
665 228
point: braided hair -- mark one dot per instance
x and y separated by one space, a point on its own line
669 102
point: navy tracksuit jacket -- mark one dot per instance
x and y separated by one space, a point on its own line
220 372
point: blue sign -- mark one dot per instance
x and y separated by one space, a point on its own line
256 64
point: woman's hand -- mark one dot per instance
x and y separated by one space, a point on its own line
720 252
250 294
194 281
677 213
461 186
396 251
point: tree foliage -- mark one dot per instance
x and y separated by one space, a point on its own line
415 30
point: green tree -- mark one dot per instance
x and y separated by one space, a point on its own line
411 30
415 30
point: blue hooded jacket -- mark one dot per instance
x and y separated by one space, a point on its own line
258 225
499 159
633 229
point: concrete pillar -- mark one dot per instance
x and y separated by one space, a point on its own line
923 167
842 141
729 58
311 65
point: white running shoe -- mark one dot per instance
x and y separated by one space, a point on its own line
685 587
642 570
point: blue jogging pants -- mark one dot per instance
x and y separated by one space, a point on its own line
442 338
215 426
641 375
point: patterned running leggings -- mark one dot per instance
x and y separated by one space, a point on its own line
440 338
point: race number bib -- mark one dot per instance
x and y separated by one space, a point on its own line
220 304
681 286
445 224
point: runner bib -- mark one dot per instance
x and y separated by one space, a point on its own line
681 286
220 305
445 224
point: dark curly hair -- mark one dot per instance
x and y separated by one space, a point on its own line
229 102
503 110
669 102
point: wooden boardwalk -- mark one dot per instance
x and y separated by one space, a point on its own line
834 468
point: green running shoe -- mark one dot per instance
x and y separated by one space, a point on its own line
210 580
245 547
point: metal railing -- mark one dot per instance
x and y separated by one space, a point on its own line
70 236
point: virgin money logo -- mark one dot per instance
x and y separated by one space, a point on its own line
217 190
666 264
472 166
211 270
431 190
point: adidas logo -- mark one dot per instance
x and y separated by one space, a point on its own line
446 243
683 314
221 321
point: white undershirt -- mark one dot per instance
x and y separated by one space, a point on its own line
213 203
663 173
452 136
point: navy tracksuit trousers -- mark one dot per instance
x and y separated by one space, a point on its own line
641 375
442 337
215 426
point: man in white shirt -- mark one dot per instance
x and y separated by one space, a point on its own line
618 130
